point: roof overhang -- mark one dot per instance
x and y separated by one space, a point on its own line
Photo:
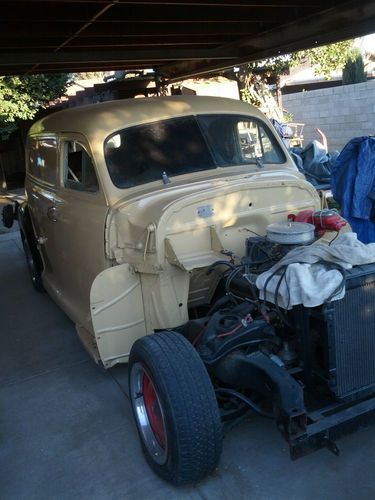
177 39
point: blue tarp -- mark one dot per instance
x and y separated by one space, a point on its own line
313 160
353 186
315 163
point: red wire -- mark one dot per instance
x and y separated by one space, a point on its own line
231 331
248 318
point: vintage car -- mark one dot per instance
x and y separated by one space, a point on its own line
146 221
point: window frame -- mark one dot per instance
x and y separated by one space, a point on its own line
64 181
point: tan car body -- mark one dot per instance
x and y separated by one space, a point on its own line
123 263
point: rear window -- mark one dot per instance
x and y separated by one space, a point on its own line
137 155
141 154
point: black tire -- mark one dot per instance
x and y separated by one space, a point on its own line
189 410
8 216
32 265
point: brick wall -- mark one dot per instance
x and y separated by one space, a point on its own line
340 112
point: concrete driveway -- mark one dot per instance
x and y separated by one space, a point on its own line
66 430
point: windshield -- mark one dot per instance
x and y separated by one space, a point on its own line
141 154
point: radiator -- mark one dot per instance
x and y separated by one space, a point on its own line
350 330
346 332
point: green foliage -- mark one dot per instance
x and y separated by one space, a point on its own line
255 91
325 59
288 117
22 96
354 69
91 75
271 66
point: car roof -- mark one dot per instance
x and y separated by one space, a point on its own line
101 119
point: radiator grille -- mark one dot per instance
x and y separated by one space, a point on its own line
351 335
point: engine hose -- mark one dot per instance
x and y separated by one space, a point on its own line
220 263
219 304
236 346
229 280
246 400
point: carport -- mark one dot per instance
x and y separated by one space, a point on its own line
66 426
177 39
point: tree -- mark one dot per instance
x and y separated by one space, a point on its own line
354 69
325 59
254 78
22 96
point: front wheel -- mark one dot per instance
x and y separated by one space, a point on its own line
175 408
8 216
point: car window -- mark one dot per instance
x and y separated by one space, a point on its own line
141 154
42 159
236 140
79 172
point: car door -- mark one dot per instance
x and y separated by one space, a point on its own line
41 188
80 212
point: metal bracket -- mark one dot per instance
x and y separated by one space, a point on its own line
258 372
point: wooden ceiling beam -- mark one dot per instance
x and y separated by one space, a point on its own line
206 3
108 56
128 29
330 26
180 39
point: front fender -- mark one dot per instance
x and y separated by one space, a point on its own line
117 313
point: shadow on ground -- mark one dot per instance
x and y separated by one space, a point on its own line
66 430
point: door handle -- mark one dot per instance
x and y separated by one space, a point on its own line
52 213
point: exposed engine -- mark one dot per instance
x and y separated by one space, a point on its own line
286 363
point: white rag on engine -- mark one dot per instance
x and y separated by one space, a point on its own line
307 279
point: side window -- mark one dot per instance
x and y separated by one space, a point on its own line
79 172
42 159
256 142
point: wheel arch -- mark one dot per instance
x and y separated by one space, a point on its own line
27 232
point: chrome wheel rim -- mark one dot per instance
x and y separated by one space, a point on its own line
149 413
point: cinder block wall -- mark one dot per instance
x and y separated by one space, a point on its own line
340 112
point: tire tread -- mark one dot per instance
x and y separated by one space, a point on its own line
183 378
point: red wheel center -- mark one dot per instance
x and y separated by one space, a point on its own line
153 409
